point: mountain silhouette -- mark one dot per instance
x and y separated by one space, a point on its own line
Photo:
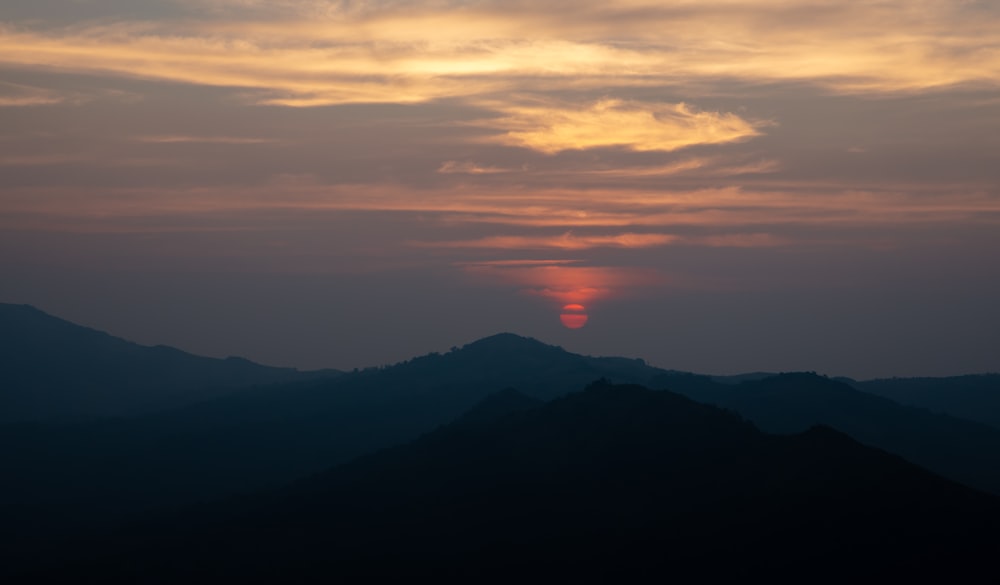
81 478
974 397
962 450
54 369
498 405
84 478
613 484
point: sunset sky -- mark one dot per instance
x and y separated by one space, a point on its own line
724 185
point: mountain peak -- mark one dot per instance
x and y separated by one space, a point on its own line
21 316
510 346
58 370
506 342
22 308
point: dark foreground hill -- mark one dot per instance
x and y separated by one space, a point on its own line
613 484
52 369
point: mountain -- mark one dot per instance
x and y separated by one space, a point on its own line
975 397
55 370
962 450
497 405
67 479
613 484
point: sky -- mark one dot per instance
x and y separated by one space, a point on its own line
717 186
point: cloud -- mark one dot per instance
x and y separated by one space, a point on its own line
571 242
50 159
551 128
322 53
637 218
181 139
567 241
21 95
452 167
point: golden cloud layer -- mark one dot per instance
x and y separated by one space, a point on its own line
508 56
311 53
551 128
547 77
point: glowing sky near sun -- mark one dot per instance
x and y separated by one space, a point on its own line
698 167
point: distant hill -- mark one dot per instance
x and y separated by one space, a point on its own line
975 397
616 484
52 369
82 477
62 480
962 450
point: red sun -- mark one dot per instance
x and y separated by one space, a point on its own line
574 316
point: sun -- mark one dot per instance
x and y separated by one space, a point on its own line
573 316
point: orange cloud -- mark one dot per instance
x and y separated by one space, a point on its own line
736 211
452 167
570 242
567 241
309 53
554 127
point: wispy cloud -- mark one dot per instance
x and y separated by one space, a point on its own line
554 127
571 242
175 139
642 217
20 95
567 241
452 167
50 159
314 53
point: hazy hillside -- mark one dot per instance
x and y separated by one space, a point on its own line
613 484
975 397
963 450
54 369
69 479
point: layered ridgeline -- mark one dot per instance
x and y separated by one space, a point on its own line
51 369
975 397
64 480
71 479
612 484
963 450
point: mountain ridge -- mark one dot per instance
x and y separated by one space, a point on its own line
86 477
54 369
616 481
